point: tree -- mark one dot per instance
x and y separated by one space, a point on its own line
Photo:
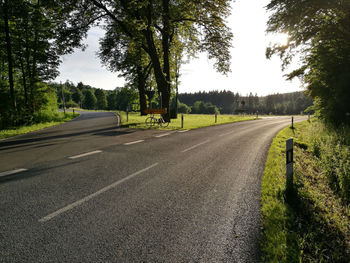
90 100
77 96
112 100
320 31
125 98
101 103
154 25
29 51
120 53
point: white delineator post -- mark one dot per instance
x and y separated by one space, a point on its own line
289 163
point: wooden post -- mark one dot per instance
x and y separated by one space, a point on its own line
73 112
216 117
182 120
289 163
127 115
292 122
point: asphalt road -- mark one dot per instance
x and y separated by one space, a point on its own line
89 191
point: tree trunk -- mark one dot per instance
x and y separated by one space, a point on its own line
161 78
24 83
166 62
141 86
9 55
161 81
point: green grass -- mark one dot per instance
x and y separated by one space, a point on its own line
60 118
191 121
311 224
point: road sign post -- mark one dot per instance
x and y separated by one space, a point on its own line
289 163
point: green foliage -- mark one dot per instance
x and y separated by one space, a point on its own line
90 100
112 100
55 119
77 96
332 148
229 102
200 107
101 103
141 35
30 56
183 108
320 31
312 224
124 98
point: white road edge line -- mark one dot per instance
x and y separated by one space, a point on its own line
162 135
130 143
183 131
87 198
195 146
12 172
84 154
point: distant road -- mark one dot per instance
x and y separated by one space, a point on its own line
89 191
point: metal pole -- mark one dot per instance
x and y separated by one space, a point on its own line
216 117
127 114
182 120
292 122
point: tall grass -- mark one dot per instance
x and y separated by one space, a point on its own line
311 225
40 121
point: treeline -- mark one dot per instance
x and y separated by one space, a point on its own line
86 97
228 102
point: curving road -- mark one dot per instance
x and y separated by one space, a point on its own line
89 191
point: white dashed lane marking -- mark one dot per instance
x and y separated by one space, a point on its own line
84 154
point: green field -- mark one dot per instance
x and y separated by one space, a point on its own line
191 121
311 224
60 118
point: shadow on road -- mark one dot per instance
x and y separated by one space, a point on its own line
33 172
111 131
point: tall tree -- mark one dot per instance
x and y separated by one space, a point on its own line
320 31
119 53
101 98
153 25
6 12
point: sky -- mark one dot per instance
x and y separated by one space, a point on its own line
251 71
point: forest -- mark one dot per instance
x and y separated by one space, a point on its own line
219 102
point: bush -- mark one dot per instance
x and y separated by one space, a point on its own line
183 108
200 107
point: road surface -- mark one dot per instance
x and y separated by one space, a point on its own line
89 191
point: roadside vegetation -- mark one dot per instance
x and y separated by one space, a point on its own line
46 121
311 223
191 121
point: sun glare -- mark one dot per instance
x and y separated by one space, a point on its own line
280 39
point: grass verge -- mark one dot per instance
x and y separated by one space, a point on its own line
60 118
312 223
191 121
